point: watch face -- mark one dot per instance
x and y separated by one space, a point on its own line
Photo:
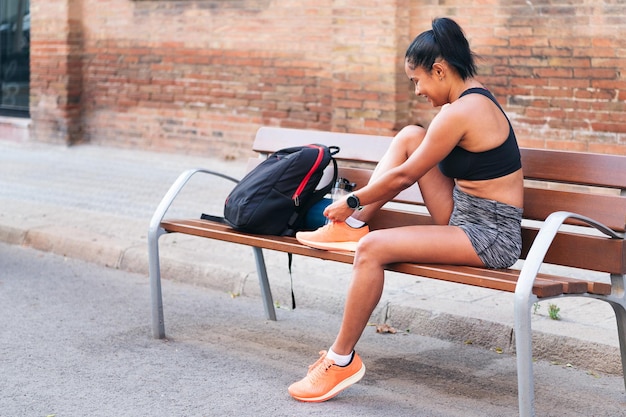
353 202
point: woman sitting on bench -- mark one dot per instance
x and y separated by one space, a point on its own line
468 167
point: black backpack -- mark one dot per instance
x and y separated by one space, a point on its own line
274 197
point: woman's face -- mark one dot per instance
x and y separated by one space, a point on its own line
427 84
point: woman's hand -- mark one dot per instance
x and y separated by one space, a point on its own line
338 211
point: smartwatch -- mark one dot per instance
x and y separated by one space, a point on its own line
353 201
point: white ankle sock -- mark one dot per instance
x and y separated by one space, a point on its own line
354 223
340 360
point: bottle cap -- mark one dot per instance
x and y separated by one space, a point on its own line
344 184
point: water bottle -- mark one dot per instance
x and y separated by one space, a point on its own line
315 216
342 188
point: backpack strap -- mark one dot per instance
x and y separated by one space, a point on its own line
293 297
316 196
218 219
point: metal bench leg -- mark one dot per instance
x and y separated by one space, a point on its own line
620 314
158 325
264 283
524 352
154 232
618 302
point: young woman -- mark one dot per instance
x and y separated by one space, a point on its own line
467 164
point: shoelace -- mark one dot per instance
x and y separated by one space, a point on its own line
329 228
319 368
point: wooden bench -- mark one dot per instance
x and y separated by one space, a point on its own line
564 191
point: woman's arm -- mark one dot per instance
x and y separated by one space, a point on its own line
444 133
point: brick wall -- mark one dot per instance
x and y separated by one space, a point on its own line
202 75
56 71
558 67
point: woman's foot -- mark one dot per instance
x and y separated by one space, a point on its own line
324 380
333 236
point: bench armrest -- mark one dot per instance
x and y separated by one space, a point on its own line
173 192
542 243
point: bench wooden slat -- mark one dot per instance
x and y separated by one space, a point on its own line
570 285
595 253
578 286
370 148
391 218
574 167
218 231
479 277
601 288
607 209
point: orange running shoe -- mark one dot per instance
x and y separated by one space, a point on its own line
324 380
333 236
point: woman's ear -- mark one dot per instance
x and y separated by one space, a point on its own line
439 70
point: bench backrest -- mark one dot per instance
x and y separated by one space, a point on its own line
593 185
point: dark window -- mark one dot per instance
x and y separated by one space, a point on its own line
14 56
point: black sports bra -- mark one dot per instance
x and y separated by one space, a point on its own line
486 165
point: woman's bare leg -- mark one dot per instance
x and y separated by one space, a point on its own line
402 146
425 244
436 189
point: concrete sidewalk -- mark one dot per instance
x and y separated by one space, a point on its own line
95 204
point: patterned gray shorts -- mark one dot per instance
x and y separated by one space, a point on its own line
494 228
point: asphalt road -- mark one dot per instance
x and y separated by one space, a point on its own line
75 341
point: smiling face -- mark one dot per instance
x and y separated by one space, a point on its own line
427 83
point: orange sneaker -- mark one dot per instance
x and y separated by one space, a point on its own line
333 236
324 379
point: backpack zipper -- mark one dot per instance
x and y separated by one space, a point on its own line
318 161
